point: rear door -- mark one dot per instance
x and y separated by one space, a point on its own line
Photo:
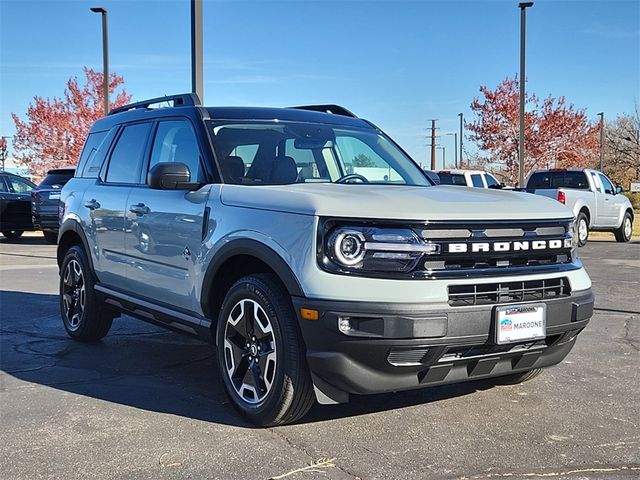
164 228
106 199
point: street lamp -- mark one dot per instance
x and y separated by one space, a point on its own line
523 27
601 114
461 136
105 56
455 147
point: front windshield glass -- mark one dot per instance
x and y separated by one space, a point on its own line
278 153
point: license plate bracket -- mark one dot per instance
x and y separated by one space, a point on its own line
519 323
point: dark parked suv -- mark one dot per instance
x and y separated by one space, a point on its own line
314 276
45 200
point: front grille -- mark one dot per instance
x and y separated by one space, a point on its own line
508 292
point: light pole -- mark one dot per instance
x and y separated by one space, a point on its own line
105 56
455 147
523 28
197 75
601 114
461 137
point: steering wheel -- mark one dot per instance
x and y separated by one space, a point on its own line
352 176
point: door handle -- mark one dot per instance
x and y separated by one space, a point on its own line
139 209
92 204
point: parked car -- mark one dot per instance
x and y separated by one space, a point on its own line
244 227
15 205
469 178
45 200
597 204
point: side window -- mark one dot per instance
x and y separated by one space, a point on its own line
175 141
3 185
88 152
491 182
126 158
477 181
608 187
18 185
596 183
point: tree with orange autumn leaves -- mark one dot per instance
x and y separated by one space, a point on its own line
557 134
54 132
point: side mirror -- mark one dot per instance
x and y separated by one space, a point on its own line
170 176
618 190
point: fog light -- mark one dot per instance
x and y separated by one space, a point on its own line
344 324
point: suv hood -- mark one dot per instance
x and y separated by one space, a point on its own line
394 202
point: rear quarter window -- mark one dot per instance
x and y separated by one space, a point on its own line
86 165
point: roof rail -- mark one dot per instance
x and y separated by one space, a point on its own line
335 109
182 99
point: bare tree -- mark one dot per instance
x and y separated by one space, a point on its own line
622 148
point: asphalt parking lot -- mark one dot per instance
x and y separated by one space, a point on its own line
148 404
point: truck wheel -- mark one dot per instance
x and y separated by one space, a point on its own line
50 237
582 229
623 234
12 234
83 317
261 355
515 378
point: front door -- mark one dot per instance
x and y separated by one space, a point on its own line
164 228
607 208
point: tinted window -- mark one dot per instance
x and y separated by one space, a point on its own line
176 141
477 181
19 185
491 182
88 153
542 180
56 179
608 187
126 158
452 179
3 185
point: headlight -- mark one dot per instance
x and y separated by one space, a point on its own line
376 249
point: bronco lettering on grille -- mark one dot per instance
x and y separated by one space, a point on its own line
519 245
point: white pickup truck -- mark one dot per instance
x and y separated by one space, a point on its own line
597 204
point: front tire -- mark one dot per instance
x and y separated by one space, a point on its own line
261 354
582 229
12 234
83 317
623 234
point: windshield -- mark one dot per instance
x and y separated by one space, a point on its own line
56 180
260 153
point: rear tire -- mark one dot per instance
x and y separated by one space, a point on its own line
83 317
623 234
12 234
261 354
582 229
50 237
516 378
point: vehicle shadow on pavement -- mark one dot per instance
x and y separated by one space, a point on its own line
30 240
146 367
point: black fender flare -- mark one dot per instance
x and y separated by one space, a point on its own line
253 248
71 224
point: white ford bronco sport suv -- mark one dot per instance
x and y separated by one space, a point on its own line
314 253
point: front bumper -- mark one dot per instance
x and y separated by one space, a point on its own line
406 346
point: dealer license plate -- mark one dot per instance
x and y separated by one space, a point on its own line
516 323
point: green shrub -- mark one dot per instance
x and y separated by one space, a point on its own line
634 198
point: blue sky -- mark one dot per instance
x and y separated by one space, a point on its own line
397 63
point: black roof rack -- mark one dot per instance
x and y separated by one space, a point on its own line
183 99
335 109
